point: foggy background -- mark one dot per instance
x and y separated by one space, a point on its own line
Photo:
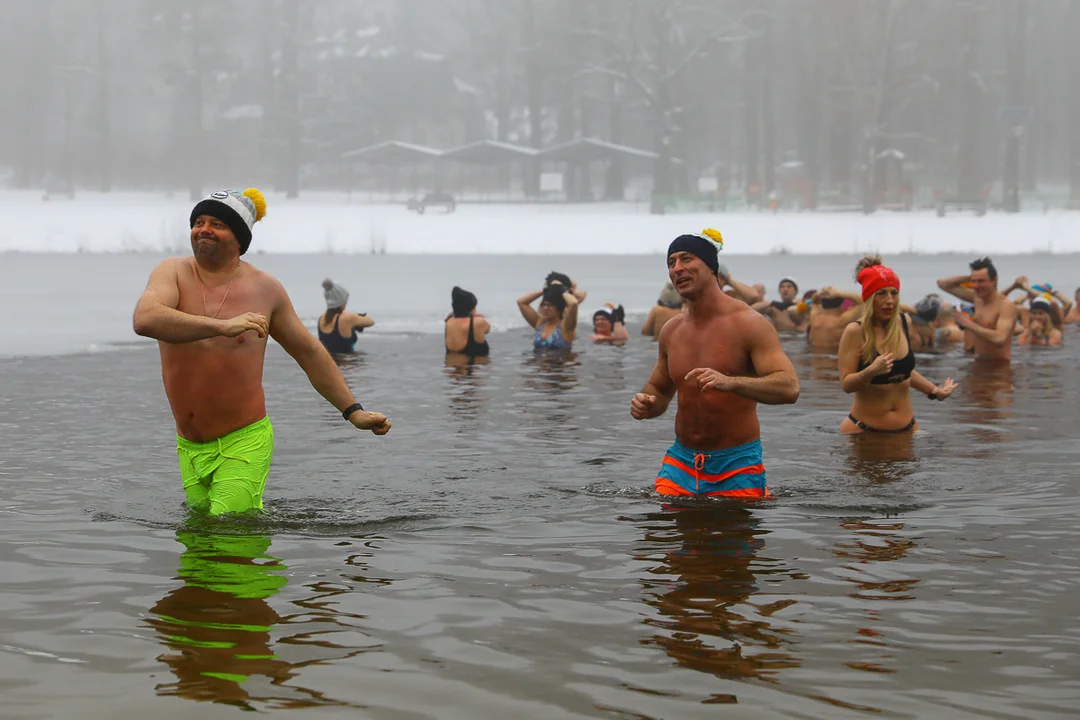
811 104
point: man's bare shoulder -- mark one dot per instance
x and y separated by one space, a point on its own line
671 327
261 279
175 264
751 321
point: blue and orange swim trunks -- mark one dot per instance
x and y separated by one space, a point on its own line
736 472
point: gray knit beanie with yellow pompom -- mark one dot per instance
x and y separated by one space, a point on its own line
239 210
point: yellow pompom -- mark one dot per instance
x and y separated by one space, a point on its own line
257 198
609 305
714 235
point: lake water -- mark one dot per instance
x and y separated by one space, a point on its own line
500 553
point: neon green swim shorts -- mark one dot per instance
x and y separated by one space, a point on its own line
228 474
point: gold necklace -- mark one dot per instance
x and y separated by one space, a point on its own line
202 285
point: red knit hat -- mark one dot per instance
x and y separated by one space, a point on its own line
875 278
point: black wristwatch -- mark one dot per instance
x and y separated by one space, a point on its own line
351 409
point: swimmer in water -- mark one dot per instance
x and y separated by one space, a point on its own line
213 344
466 330
734 288
338 329
722 359
668 305
609 325
1031 292
831 310
876 360
777 310
555 320
990 328
1072 314
1041 329
932 325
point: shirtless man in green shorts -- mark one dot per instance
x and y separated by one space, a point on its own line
211 315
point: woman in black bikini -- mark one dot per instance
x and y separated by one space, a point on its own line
466 332
868 362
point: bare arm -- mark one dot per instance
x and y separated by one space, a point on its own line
1066 304
650 321
776 382
921 384
324 374
569 318
156 315
1001 334
359 322
852 313
954 286
524 304
660 385
744 292
618 332
851 378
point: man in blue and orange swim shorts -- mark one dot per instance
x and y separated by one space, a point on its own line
722 358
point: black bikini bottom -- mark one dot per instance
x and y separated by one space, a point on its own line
866 428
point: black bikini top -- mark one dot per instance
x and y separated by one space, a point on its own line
782 304
901 369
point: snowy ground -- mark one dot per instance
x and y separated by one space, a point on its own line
321 222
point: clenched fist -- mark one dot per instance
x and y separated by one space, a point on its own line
242 323
641 405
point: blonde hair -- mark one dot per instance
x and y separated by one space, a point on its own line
892 333
892 330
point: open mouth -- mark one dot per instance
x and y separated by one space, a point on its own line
682 282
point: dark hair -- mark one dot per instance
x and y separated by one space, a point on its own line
557 276
984 264
554 295
331 312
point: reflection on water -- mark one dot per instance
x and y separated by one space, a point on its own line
822 365
545 370
987 385
350 361
876 542
709 569
217 626
873 542
882 458
466 377
551 379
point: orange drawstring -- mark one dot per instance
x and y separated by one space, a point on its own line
699 465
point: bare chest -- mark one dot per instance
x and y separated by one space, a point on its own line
987 316
242 294
718 347
231 299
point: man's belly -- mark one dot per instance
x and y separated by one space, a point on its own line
716 430
213 395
